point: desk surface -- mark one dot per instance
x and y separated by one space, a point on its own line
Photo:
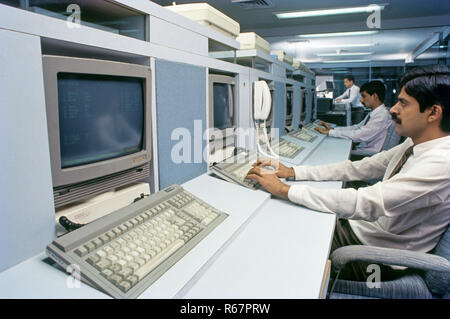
262 250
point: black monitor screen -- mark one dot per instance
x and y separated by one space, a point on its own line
221 96
100 117
324 105
288 103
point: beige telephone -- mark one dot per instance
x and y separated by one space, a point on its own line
262 104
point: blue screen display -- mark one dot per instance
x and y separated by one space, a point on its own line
221 97
100 117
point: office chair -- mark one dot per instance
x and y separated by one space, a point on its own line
392 139
428 275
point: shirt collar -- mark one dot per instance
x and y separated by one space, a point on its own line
425 146
378 109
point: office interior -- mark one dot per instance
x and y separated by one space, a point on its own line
112 108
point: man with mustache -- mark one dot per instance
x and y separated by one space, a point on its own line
370 133
410 207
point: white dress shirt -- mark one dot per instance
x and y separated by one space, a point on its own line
410 210
351 95
370 135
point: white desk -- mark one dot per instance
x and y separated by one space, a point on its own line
281 253
254 233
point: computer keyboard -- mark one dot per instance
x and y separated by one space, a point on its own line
287 149
303 135
124 252
236 168
310 126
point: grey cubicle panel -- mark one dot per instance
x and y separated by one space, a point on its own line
181 115
26 195
279 108
296 107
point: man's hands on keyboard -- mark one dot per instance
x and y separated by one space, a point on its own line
279 169
268 178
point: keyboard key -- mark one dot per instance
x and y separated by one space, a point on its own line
93 259
102 264
115 279
97 242
82 251
107 273
90 247
124 285
125 272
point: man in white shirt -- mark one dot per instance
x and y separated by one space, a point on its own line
351 95
410 207
371 132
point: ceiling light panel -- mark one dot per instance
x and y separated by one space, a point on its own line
328 12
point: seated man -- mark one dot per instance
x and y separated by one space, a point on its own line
410 207
371 132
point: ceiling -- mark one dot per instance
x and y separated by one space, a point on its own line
404 25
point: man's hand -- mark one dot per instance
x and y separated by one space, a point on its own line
322 123
339 100
279 169
322 130
269 180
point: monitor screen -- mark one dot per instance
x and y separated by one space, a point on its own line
222 117
288 103
330 85
100 117
324 105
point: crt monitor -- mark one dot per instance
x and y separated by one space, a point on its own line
99 125
221 104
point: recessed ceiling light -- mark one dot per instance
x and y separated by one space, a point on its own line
328 12
344 54
344 61
337 34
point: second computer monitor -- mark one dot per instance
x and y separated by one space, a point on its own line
324 105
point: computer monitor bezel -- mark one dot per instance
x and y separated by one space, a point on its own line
52 65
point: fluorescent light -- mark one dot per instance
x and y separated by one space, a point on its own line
354 45
344 61
328 12
337 34
344 54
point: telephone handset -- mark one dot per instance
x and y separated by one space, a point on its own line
262 105
262 101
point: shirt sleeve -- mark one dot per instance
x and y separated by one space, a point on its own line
351 96
363 133
415 189
368 168
344 95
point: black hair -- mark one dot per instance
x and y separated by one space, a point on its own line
430 86
350 77
374 87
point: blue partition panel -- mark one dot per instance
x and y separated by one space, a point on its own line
180 120
296 107
279 105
